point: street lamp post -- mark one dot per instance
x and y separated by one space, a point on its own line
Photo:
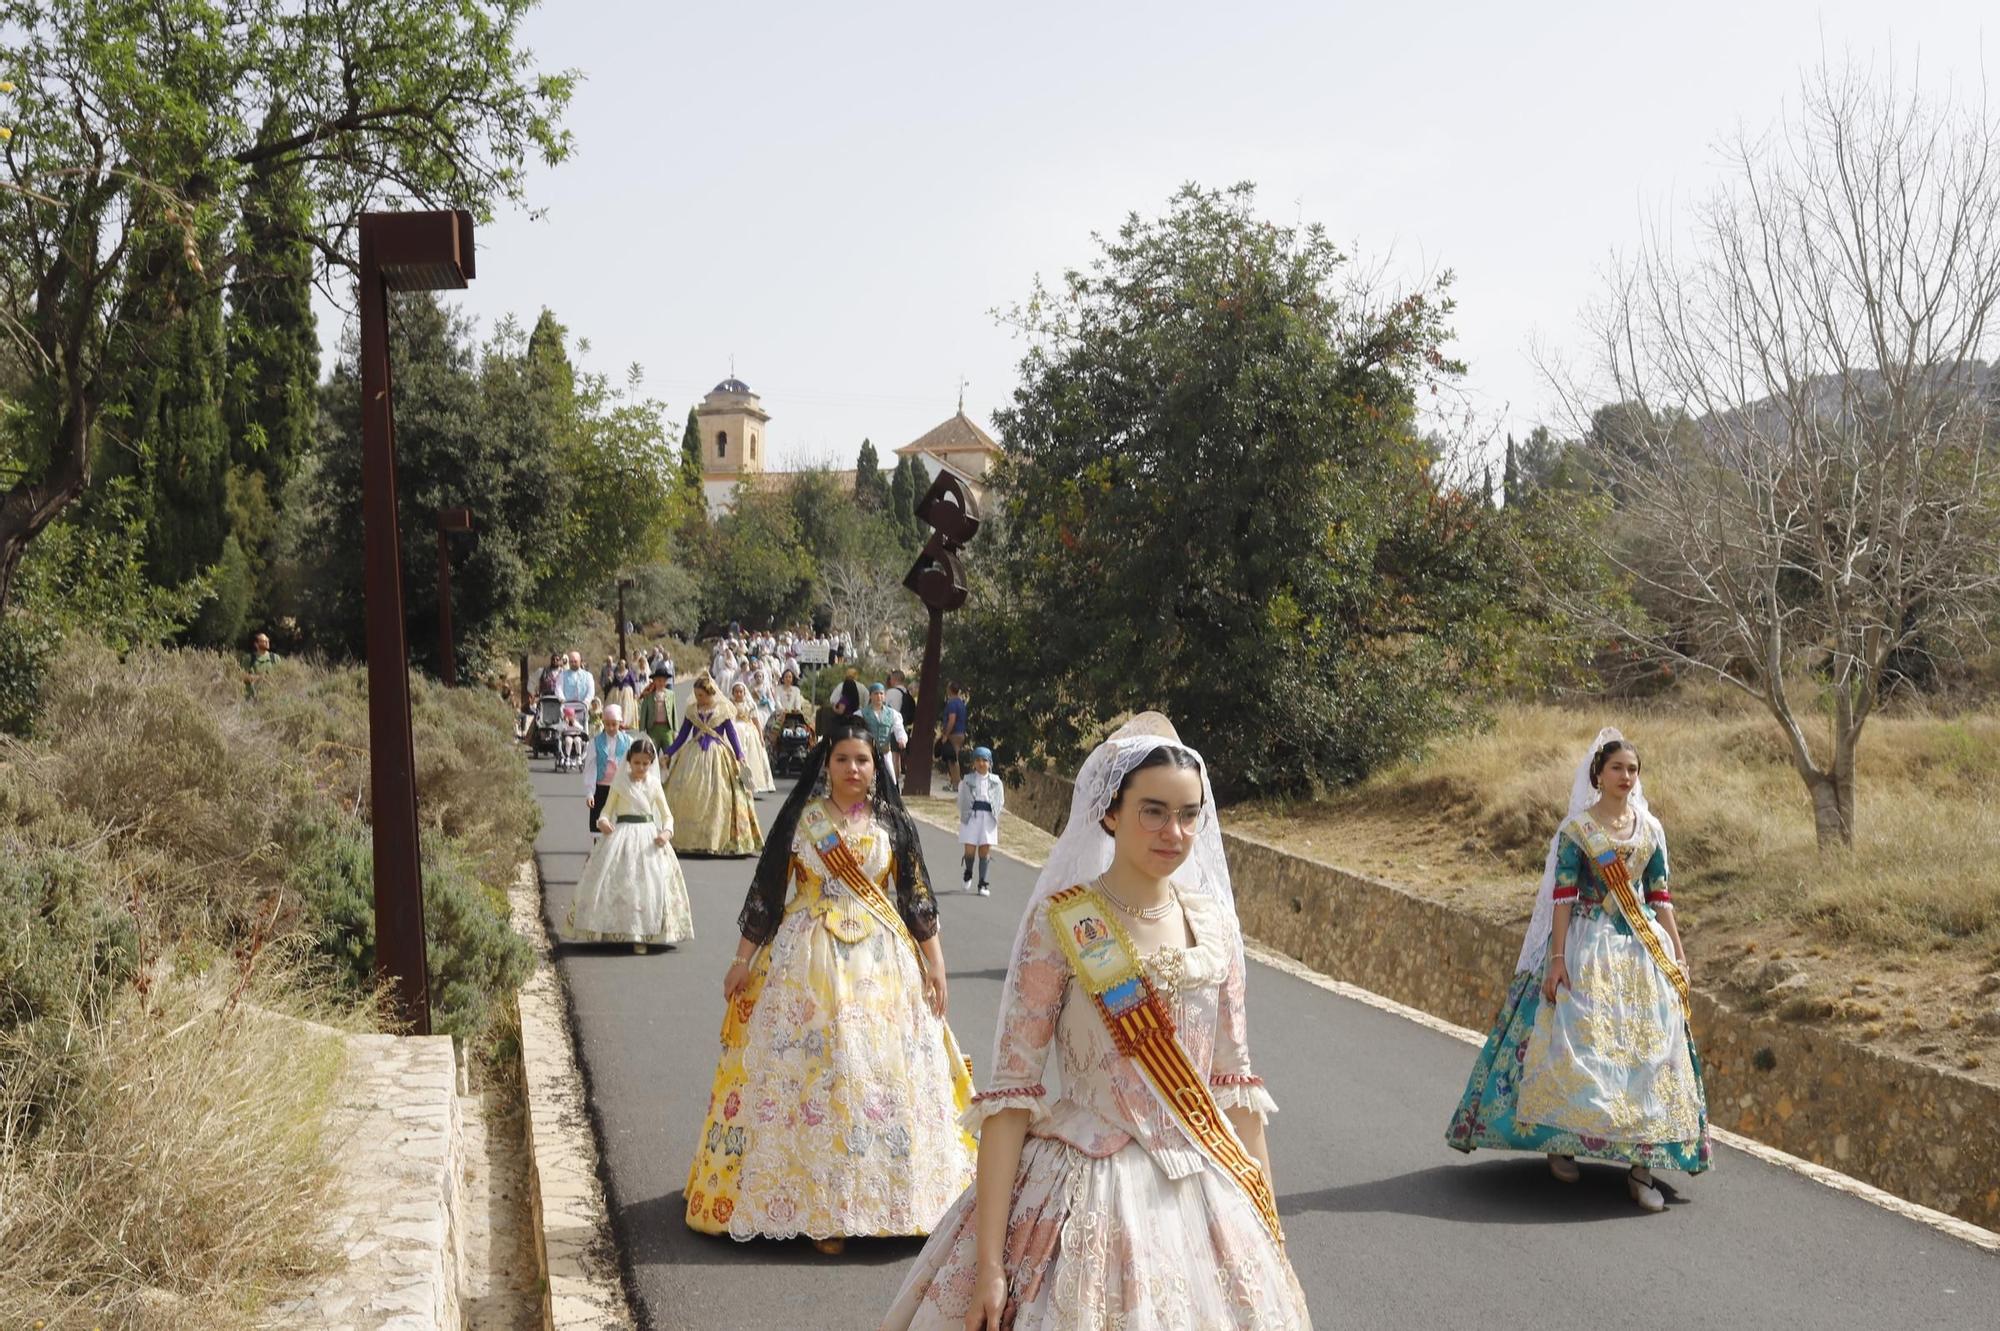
450 522
399 252
623 583
938 579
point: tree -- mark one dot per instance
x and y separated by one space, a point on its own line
136 126
871 488
273 339
1802 444
755 566
1220 506
902 501
1510 477
691 465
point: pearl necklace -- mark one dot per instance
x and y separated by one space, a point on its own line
1158 912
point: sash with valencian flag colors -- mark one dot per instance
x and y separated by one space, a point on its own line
1102 958
1596 843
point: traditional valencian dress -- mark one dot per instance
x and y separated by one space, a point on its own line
713 813
756 759
836 1101
1609 1070
631 890
1125 1213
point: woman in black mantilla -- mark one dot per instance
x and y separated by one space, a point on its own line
836 1102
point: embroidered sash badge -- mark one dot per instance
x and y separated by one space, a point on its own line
1611 867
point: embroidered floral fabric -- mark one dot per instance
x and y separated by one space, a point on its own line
835 1104
1117 1219
1608 1071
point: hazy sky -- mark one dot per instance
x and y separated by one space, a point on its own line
840 195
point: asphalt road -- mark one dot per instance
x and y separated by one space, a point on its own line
1387 1227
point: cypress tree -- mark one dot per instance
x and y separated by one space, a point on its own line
902 501
1510 479
691 454
272 402
871 490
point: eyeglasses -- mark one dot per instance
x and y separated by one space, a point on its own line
1155 817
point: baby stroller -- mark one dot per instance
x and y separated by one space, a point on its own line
795 737
547 729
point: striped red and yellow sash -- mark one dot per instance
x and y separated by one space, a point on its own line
1611 867
1105 963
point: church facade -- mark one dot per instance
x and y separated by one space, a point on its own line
735 448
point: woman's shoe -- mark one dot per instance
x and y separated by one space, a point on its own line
1564 1168
831 1247
640 948
1643 1192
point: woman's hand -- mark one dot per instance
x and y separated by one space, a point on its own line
660 841
604 825
735 979
989 1301
1554 978
935 996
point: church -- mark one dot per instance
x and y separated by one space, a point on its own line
735 445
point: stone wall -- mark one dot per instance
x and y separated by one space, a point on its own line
1919 1132
399 1221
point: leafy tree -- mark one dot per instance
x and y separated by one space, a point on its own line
1221 507
273 387
137 124
756 567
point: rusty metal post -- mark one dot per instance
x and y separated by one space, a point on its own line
938 579
402 252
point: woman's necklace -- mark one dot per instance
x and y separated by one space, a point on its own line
1158 912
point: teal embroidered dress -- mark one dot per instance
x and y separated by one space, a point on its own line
1608 1071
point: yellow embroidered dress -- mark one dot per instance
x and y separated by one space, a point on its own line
713 813
836 1103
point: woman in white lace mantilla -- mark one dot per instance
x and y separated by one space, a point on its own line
1107 1207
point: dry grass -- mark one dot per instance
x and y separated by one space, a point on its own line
181 1186
1919 894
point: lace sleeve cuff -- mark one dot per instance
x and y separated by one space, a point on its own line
1240 1090
986 1104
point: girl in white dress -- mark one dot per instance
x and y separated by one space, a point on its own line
750 731
632 890
1141 1199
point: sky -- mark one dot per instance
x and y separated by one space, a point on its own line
835 200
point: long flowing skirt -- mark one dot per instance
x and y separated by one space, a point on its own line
836 1101
713 813
631 891
1111 1242
756 758
1607 1072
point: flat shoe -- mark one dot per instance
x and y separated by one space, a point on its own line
831 1247
1645 1194
1564 1168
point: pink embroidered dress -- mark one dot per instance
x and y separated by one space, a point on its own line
1118 1219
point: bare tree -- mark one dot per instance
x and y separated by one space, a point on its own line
867 594
1802 467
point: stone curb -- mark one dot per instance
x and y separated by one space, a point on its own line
581 1289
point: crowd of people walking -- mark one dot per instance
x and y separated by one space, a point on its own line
1140 1194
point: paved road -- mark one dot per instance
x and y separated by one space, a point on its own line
1388 1228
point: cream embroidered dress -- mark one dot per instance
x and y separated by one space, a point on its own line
632 891
713 813
1608 1071
1118 1220
836 1102
756 759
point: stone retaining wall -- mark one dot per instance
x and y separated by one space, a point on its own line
1919 1132
399 1221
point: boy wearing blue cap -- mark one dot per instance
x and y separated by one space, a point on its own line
981 800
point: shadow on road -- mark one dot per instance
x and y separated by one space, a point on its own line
1492 1192
659 1236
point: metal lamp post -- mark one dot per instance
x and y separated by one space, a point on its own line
450 522
399 252
938 579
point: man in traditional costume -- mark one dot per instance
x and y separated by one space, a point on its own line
659 714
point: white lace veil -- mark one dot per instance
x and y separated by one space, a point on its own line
1581 796
1083 851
